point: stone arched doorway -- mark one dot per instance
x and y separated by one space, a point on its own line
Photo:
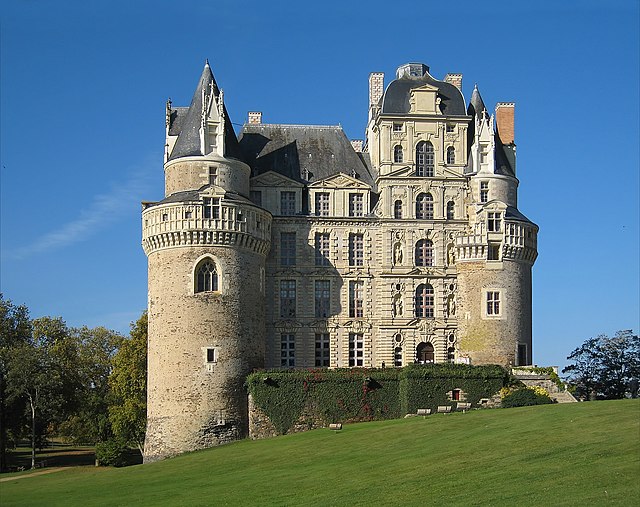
425 353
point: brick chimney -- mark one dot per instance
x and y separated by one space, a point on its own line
376 87
357 145
455 80
255 117
505 121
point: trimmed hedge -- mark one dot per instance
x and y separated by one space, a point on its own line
288 397
524 398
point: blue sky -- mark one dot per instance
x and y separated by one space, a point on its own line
83 91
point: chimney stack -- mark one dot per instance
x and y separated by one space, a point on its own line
455 80
376 87
505 121
255 117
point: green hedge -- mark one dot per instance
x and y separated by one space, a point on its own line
288 397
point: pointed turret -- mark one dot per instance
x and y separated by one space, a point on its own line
204 126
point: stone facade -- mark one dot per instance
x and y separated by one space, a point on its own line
295 247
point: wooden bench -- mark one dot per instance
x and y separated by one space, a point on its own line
335 426
424 411
444 409
464 406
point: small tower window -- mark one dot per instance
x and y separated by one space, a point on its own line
211 207
451 155
484 191
206 277
493 303
213 175
398 154
494 222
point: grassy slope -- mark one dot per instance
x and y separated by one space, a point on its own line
577 454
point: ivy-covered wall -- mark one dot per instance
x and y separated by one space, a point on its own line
294 400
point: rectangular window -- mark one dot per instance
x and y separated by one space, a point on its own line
287 203
356 349
322 297
287 248
493 303
287 350
356 249
256 197
322 349
356 298
494 222
211 355
494 252
322 248
484 150
355 205
484 191
287 299
213 175
322 204
211 207
397 127
451 127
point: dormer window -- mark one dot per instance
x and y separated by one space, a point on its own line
355 205
322 204
211 207
494 221
287 203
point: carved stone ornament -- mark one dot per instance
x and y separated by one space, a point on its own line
425 326
288 326
357 326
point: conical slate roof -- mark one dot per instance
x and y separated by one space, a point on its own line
185 122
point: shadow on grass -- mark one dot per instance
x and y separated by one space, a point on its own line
60 455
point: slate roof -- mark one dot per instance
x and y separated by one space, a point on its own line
396 97
185 122
512 213
300 152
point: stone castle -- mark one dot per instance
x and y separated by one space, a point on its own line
290 246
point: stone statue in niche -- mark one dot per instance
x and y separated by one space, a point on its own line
397 306
451 254
397 253
451 305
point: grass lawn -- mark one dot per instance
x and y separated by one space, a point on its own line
552 455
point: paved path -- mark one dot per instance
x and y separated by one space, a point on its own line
33 474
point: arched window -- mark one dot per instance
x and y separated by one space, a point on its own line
397 209
451 155
424 252
424 159
397 154
206 277
424 207
451 210
397 357
425 353
424 301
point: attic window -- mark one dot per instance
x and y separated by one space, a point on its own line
397 127
451 127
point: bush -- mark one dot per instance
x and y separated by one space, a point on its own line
113 452
525 398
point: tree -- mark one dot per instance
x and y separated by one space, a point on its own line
15 330
128 381
605 367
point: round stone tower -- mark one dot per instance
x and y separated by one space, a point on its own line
206 245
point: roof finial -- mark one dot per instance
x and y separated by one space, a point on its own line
206 62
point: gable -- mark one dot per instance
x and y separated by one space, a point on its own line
340 180
273 179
